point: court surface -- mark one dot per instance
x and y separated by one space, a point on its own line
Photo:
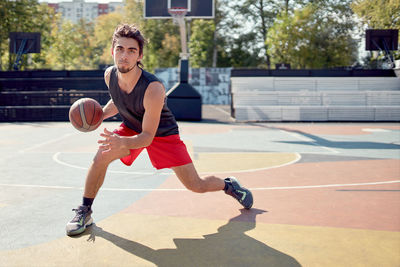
326 194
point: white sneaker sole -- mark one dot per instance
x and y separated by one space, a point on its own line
81 230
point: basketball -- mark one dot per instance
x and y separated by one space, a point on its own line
86 114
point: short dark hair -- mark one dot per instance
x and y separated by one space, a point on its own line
129 31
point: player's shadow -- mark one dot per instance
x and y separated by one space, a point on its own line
319 141
230 246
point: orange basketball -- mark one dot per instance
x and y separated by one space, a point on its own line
86 114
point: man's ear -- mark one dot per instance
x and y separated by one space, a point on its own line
112 51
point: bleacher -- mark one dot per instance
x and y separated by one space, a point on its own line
47 95
306 96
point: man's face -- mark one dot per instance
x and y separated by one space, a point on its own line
126 54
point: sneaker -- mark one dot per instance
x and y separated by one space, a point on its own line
81 220
238 192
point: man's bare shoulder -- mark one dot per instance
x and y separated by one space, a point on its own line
155 94
107 74
156 88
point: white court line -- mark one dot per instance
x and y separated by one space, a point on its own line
22 151
323 186
298 157
225 112
183 189
309 140
45 143
329 149
375 130
56 159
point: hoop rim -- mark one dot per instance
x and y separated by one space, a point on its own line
177 11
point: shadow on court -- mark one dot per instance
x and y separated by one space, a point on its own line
319 141
230 246
340 144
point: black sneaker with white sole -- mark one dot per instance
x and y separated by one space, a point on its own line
234 189
80 222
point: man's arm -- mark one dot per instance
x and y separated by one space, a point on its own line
153 103
107 74
109 109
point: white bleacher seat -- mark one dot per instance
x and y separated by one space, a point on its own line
316 98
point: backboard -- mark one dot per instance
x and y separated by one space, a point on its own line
27 42
158 9
381 40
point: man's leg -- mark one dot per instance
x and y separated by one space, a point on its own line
96 174
189 177
187 174
94 180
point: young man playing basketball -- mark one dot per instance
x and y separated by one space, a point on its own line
139 97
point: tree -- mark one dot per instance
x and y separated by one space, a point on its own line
47 21
240 56
83 37
71 47
261 14
201 43
103 31
378 14
63 49
315 36
21 16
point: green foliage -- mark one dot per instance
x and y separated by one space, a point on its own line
163 44
71 47
244 33
260 14
21 16
201 43
102 42
47 21
312 38
378 14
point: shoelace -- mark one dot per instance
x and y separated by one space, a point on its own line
78 216
235 193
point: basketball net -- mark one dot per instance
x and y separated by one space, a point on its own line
178 14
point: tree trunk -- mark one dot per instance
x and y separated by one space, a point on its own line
215 49
215 46
286 6
264 32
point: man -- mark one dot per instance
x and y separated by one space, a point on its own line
139 97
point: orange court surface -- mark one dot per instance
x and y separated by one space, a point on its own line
325 194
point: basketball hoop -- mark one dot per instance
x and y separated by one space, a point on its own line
178 13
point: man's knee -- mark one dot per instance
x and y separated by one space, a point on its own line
102 158
197 186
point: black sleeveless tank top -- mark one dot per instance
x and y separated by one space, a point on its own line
130 106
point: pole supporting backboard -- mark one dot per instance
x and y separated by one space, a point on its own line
183 99
178 14
23 43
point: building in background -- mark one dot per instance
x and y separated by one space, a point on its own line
79 9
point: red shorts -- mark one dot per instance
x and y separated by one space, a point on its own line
164 152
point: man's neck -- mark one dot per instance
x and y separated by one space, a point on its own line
130 76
